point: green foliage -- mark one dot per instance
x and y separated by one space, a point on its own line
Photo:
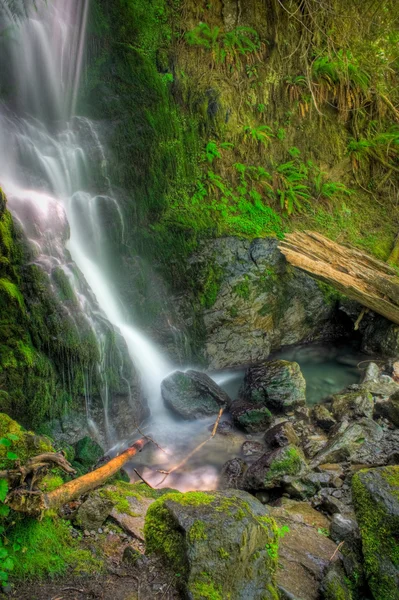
261 134
225 47
6 562
292 188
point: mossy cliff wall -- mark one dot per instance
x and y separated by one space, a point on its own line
247 119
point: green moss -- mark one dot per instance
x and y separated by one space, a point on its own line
242 289
197 531
378 530
12 292
51 482
48 550
336 590
223 553
211 286
205 589
330 294
288 463
24 444
119 498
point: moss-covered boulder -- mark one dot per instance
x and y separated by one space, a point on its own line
272 468
278 384
222 545
193 395
19 442
352 405
389 409
376 500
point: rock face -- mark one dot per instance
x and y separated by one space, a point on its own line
193 395
389 409
376 500
259 303
222 544
93 512
352 405
278 384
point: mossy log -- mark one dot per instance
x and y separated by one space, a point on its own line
361 277
34 502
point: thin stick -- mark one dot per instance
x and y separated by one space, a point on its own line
142 479
337 550
183 462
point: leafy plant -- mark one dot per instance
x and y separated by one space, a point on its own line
6 562
290 183
260 135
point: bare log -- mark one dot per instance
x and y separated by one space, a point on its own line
369 281
35 502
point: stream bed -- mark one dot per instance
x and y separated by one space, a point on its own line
327 368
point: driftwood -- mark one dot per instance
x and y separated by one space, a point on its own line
369 281
34 502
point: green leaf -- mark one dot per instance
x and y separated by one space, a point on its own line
12 456
8 564
3 576
3 553
3 489
5 442
16 547
4 510
13 437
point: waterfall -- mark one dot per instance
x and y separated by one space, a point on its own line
48 156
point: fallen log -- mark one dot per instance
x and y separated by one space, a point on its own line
369 281
34 502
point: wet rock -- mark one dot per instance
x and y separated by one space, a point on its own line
314 443
279 385
376 501
88 452
372 373
304 552
131 519
269 470
389 409
232 474
381 337
193 395
352 405
218 542
281 435
357 442
253 449
261 303
93 512
344 528
252 418
224 428
322 417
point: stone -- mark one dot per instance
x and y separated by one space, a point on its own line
88 452
389 409
193 395
344 528
376 502
322 417
270 469
252 449
93 512
279 385
132 521
281 435
356 442
395 372
334 585
381 337
131 555
222 544
304 552
260 303
251 418
352 405
232 474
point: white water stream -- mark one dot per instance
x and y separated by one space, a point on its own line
45 168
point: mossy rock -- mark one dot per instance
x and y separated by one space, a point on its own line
270 469
88 452
23 444
376 501
222 545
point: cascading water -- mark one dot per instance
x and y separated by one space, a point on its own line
47 158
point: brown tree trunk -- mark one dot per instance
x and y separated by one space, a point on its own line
34 502
361 277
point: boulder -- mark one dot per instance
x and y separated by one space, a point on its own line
352 405
304 550
335 584
94 511
281 435
222 544
322 417
258 302
232 474
250 417
251 449
357 442
279 385
270 469
193 395
376 501
389 409
380 336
